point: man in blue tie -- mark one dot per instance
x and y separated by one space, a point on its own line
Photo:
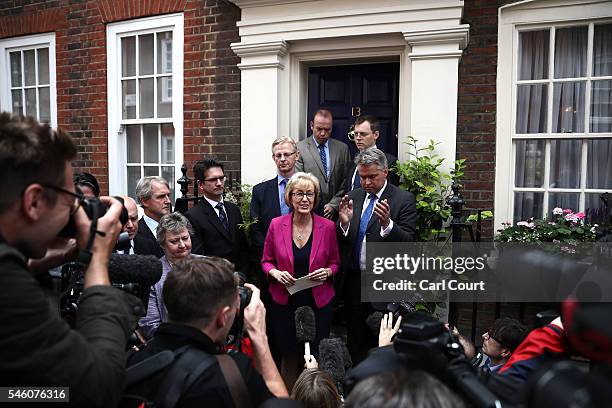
375 212
327 159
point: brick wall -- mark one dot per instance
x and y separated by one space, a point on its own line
211 78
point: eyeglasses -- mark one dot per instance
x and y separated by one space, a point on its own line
279 156
78 198
300 195
215 179
361 134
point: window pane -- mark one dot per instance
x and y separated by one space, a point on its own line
149 142
29 67
527 205
31 103
128 56
571 52
601 107
164 52
45 104
168 174
164 97
599 163
16 96
563 200
602 50
16 68
145 54
43 66
133 176
531 108
565 163
167 138
146 98
529 163
568 107
594 209
151 171
128 99
133 144
533 54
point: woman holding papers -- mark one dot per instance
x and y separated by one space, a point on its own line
300 257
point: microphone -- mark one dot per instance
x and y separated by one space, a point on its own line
330 360
305 327
346 356
142 270
373 322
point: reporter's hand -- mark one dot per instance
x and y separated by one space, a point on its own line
387 329
310 362
255 316
282 277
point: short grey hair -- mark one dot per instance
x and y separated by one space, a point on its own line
174 222
372 156
144 189
300 179
282 140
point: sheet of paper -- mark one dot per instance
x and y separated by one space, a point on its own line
301 284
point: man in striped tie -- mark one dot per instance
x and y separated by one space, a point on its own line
377 211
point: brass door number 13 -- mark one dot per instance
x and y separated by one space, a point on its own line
356 111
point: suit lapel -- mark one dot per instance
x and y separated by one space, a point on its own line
288 240
214 218
314 151
357 209
317 230
231 221
274 199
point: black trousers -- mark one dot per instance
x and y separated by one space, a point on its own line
360 338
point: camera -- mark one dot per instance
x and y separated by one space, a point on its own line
236 333
95 208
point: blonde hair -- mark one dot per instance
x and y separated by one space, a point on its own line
282 140
300 178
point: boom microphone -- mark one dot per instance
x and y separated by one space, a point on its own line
330 360
143 270
305 327
373 322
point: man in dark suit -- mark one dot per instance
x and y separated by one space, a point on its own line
215 221
327 159
366 133
375 212
138 244
268 200
153 193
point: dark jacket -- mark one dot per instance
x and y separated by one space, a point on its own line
264 206
37 348
210 389
145 242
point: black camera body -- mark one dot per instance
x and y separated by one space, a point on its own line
236 334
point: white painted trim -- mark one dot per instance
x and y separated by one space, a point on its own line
117 177
459 35
18 43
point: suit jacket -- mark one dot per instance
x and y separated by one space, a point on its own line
265 206
403 213
278 254
145 242
332 188
210 238
392 177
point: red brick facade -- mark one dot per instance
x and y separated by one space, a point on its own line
211 106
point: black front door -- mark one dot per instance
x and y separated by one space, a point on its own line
349 91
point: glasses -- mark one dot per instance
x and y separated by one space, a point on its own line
215 179
300 195
279 156
361 134
78 198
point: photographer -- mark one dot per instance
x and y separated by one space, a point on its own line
202 301
36 347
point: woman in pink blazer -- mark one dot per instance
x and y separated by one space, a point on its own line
300 244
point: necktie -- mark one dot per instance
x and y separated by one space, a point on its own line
363 226
222 216
281 196
323 158
357 181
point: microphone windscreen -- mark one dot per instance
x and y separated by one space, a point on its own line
346 356
373 322
143 269
330 360
305 326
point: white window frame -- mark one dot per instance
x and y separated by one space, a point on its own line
117 150
46 40
527 16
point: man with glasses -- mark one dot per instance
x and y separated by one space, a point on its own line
38 198
214 220
327 159
366 133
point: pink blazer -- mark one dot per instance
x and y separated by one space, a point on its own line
278 254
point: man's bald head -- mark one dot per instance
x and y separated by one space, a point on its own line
131 227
